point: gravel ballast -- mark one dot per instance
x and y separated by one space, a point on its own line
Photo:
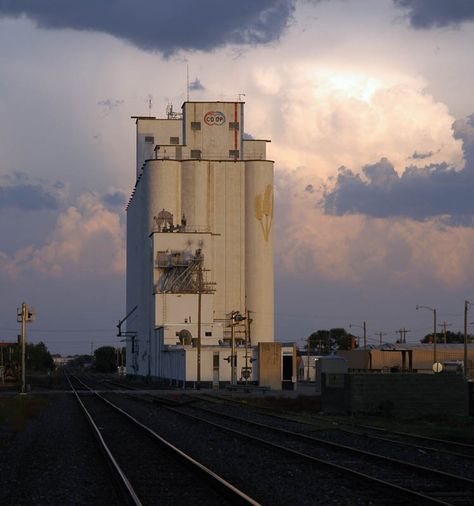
54 461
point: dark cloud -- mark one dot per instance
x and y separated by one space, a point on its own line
436 190
436 13
196 85
115 199
28 197
165 26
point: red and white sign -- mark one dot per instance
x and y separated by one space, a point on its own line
212 118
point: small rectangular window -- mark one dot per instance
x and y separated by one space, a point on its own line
234 153
149 138
215 361
195 125
233 125
196 153
208 334
174 140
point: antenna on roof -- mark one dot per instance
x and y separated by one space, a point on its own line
150 102
187 82
240 95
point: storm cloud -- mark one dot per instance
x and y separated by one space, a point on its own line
435 190
165 26
437 13
28 197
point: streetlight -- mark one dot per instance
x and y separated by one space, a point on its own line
434 328
467 305
364 328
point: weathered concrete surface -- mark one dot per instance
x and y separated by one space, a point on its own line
401 394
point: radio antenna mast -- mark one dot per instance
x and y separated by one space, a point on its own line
150 102
187 82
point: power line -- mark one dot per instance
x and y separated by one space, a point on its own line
111 329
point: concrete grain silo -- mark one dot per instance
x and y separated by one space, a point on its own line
199 247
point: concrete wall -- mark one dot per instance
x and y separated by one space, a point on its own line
259 275
401 394
215 138
160 130
180 363
255 149
270 366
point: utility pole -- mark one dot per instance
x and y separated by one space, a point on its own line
403 335
434 329
307 356
24 316
364 328
380 334
467 304
199 287
247 342
443 326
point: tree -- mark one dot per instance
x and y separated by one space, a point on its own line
105 359
325 341
342 339
38 358
451 337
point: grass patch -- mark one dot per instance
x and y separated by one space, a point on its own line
16 413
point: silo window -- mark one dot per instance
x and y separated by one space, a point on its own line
234 153
149 138
174 140
196 153
195 125
234 125
208 334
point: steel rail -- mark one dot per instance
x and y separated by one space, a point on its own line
407 491
420 436
332 444
343 427
235 495
125 486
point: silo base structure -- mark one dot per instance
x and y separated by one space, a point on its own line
199 249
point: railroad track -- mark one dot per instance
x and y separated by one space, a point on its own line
157 473
419 483
415 441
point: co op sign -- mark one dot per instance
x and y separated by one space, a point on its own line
212 118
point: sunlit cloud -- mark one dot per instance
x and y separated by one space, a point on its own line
87 239
326 118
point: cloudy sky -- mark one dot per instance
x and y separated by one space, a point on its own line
370 110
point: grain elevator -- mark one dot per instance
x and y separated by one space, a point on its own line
199 247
